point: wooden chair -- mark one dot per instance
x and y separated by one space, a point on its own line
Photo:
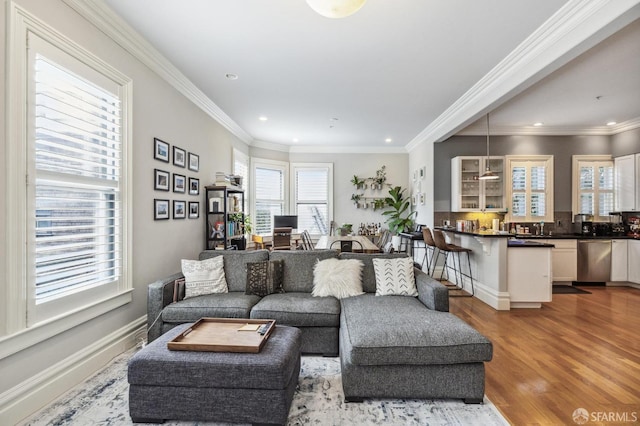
307 244
385 237
347 245
446 249
429 246
281 239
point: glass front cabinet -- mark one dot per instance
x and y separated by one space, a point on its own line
470 194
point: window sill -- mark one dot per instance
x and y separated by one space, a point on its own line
23 339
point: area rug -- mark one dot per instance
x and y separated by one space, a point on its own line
568 289
103 400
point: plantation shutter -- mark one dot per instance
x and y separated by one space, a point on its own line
269 197
596 188
312 199
77 146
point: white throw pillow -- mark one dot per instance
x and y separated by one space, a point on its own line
204 276
394 277
337 278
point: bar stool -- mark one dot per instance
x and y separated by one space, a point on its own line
446 248
429 246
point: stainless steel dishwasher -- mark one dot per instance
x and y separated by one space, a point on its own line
594 260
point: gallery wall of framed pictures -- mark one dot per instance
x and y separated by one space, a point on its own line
175 181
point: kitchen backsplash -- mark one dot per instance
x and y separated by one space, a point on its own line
561 225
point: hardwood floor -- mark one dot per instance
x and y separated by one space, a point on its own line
579 351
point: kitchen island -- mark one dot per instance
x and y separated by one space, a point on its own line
507 273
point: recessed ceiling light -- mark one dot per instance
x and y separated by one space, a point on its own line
262 118
295 139
388 140
611 123
231 76
538 124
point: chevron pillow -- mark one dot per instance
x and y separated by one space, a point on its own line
394 277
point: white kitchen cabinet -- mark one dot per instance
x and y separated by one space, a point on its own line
619 260
564 259
633 261
529 276
468 193
627 187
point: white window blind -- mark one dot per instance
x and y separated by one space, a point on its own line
531 189
312 196
77 165
594 188
269 193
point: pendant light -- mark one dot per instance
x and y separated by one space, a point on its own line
336 8
488 174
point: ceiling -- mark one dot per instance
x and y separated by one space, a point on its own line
395 70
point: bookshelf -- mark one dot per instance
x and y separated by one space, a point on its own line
225 218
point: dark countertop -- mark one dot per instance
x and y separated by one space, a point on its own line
493 234
529 244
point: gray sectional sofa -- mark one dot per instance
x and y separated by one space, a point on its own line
389 346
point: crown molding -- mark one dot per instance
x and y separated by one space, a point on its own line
552 130
324 149
107 21
573 29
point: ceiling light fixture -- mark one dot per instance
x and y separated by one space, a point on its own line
611 123
295 140
488 174
388 140
538 124
262 118
336 8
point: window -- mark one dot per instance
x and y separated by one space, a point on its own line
72 210
593 186
268 185
312 193
530 184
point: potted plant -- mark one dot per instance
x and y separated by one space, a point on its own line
380 178
346 229
356 199
379 203
359 183
399 216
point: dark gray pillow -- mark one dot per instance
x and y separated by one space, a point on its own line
264 278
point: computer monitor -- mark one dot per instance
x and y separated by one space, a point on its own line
287 221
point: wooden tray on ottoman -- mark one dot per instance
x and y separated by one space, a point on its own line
223 335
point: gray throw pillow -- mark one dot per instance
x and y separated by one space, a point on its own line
264 278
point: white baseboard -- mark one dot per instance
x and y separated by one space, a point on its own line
31 395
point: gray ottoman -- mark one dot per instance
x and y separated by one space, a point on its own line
215 386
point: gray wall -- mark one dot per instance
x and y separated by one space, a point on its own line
158 111
626 143
561 147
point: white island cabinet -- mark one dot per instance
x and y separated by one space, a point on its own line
619 260
529 276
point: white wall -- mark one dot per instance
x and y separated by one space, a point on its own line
158 111
362 165
422 156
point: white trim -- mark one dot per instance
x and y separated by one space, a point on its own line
27 397
107 21
575 179
329 149
573 29
275 164
553 131
292 186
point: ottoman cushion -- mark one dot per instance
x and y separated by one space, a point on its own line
155 365
374 334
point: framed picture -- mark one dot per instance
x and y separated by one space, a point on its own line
194 186
179 157
422 198
179 183
160 209
194 162
160 150
194 209
423 171
160 180
179 209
